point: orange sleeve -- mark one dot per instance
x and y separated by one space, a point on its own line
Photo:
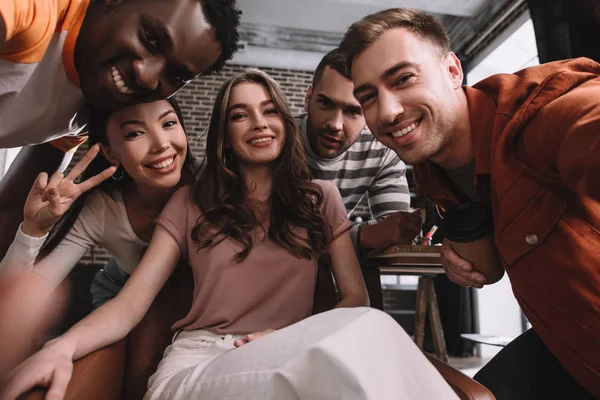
68 143
30 25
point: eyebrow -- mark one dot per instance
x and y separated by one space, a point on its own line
244 105
386 74
138 122
130 122
169 111
343 104
166 41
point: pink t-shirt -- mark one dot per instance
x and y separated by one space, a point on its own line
271 288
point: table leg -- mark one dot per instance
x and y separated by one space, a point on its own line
439 342
420 313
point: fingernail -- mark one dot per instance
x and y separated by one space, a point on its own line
480 280
465 268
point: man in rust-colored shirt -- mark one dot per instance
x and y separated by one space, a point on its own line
528 145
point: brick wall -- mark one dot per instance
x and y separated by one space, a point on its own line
196 101
197 98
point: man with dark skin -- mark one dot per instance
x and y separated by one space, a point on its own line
110 53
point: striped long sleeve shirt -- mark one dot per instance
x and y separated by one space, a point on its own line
367 168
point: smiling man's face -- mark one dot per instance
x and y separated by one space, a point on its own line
408 96
132 51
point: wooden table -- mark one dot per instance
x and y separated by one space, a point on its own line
425 262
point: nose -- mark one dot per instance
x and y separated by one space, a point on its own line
259 122
336 122
160 141
390 108
148 72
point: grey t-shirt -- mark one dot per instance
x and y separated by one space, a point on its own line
464 179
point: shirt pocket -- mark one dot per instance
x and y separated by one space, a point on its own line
551 256
531 226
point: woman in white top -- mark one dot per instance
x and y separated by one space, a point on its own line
147 144
255 228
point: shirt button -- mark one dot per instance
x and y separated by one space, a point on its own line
531 239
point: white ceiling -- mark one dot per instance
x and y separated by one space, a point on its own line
337 15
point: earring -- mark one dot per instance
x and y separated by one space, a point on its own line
118 175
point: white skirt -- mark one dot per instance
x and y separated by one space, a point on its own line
347 353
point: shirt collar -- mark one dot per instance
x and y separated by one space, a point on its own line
431 179
482 112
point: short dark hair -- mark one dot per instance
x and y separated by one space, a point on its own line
334 59
224 17
363 33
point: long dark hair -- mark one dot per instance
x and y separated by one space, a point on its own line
97 123
295 201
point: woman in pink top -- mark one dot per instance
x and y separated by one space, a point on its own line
254 229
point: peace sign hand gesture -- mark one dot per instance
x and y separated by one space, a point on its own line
49 200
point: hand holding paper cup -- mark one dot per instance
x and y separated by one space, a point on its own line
469 228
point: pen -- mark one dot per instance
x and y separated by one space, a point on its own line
429 235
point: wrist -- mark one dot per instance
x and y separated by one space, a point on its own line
62 345
30 229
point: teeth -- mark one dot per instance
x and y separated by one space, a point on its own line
261 140
163 164
406 130
119 82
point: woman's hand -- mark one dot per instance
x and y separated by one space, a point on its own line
50 367
253 336
29 307
49 200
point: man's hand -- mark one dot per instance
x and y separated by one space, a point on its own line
460 270
250 337
398 228
49 200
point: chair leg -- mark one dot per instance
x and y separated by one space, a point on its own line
420 313
439 342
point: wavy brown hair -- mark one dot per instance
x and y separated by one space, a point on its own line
295 201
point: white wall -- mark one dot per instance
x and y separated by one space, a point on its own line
277 58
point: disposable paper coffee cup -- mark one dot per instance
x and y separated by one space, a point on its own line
470 229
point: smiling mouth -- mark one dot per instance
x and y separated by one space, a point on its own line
119 82
406 130
261 140
162 164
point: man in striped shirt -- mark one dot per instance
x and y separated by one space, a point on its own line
340 149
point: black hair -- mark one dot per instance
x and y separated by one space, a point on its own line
224 17
97 123
334 59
